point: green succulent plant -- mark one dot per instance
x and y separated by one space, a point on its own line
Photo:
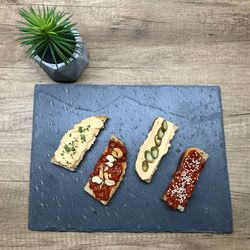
49 33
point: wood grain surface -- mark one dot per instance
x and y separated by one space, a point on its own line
131 41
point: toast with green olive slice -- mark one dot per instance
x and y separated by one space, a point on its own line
154 148
77 141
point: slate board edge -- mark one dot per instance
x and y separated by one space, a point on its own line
131 230
138 85
225 159
32 147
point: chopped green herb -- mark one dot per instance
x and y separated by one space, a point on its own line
83 137
70 135
80 129
67 148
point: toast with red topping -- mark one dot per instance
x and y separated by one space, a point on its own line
108 172
184 179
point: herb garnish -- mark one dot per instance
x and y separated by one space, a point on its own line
67 148
82 130
83 138
70 147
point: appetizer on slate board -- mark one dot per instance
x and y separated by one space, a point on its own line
154 148
184 179
108 172
77 141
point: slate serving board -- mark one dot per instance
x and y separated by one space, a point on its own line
57 199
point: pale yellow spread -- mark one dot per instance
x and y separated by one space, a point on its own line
77 141
149 143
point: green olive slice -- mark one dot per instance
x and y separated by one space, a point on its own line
164 125
148 156
157 141
145 166
160 133
155 152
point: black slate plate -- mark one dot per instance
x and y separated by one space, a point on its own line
57 199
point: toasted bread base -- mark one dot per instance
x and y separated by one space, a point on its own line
74 166
200 151
124 165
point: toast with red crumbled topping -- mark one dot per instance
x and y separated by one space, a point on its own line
184 179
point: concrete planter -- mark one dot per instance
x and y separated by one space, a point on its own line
66 73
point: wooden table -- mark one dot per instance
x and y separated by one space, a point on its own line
185 42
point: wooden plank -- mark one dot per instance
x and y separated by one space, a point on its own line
181 21
173 74
152 51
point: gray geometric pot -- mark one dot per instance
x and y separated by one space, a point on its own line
67 72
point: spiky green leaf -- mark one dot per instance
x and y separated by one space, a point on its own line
47 30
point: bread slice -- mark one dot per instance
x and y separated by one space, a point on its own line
88 189
158 146
196 168
77 141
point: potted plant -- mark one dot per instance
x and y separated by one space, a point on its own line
54 42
